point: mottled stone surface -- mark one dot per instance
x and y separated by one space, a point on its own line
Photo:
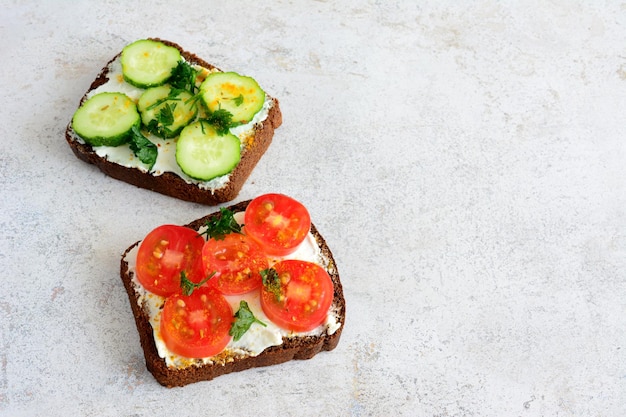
464 160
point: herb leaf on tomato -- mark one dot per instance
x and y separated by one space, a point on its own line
220 226
188 286
244 318
271 281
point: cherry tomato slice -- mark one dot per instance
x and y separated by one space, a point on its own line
198 325
236 259
164 253
306 293
278 222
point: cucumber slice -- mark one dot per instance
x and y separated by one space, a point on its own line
165 111
237 94
147 63
203 154
106 119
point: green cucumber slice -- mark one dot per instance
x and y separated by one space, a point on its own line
203 154
147 63
165 111
106 119
237 94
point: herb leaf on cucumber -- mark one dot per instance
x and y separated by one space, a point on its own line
166 110
184 77
143 148
221 120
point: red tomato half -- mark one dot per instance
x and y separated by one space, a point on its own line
306 294
196 326
237 260
279 223
164 253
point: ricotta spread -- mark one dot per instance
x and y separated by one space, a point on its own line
257 338
166 159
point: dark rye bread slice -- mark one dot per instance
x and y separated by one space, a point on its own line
291 348
169 183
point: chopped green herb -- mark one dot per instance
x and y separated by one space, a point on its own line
188 287
221 120
220 226
244 318
271 281
166 114
193 99
238 100
184 77
143 148
172 96
164 118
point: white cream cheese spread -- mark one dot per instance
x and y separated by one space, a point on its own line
257 338
166 159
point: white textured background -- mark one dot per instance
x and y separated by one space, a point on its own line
465 161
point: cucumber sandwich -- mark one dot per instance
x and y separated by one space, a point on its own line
163 119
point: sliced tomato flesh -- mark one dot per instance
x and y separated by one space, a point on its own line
306 293
164 253
198 325
236 260
278 222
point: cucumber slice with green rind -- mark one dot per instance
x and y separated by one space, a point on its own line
147 63
237 94
106 119
166 111
203 154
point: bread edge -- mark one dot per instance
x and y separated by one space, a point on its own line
292 349
169 183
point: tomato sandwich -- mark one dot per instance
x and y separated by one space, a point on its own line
251 285
161 118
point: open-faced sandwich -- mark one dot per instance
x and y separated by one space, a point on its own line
252 285
163 119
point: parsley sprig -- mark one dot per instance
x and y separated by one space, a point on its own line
244 318
188 286
184 77
221 119
143 148
219 226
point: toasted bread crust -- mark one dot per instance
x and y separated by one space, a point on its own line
169 183
290 349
